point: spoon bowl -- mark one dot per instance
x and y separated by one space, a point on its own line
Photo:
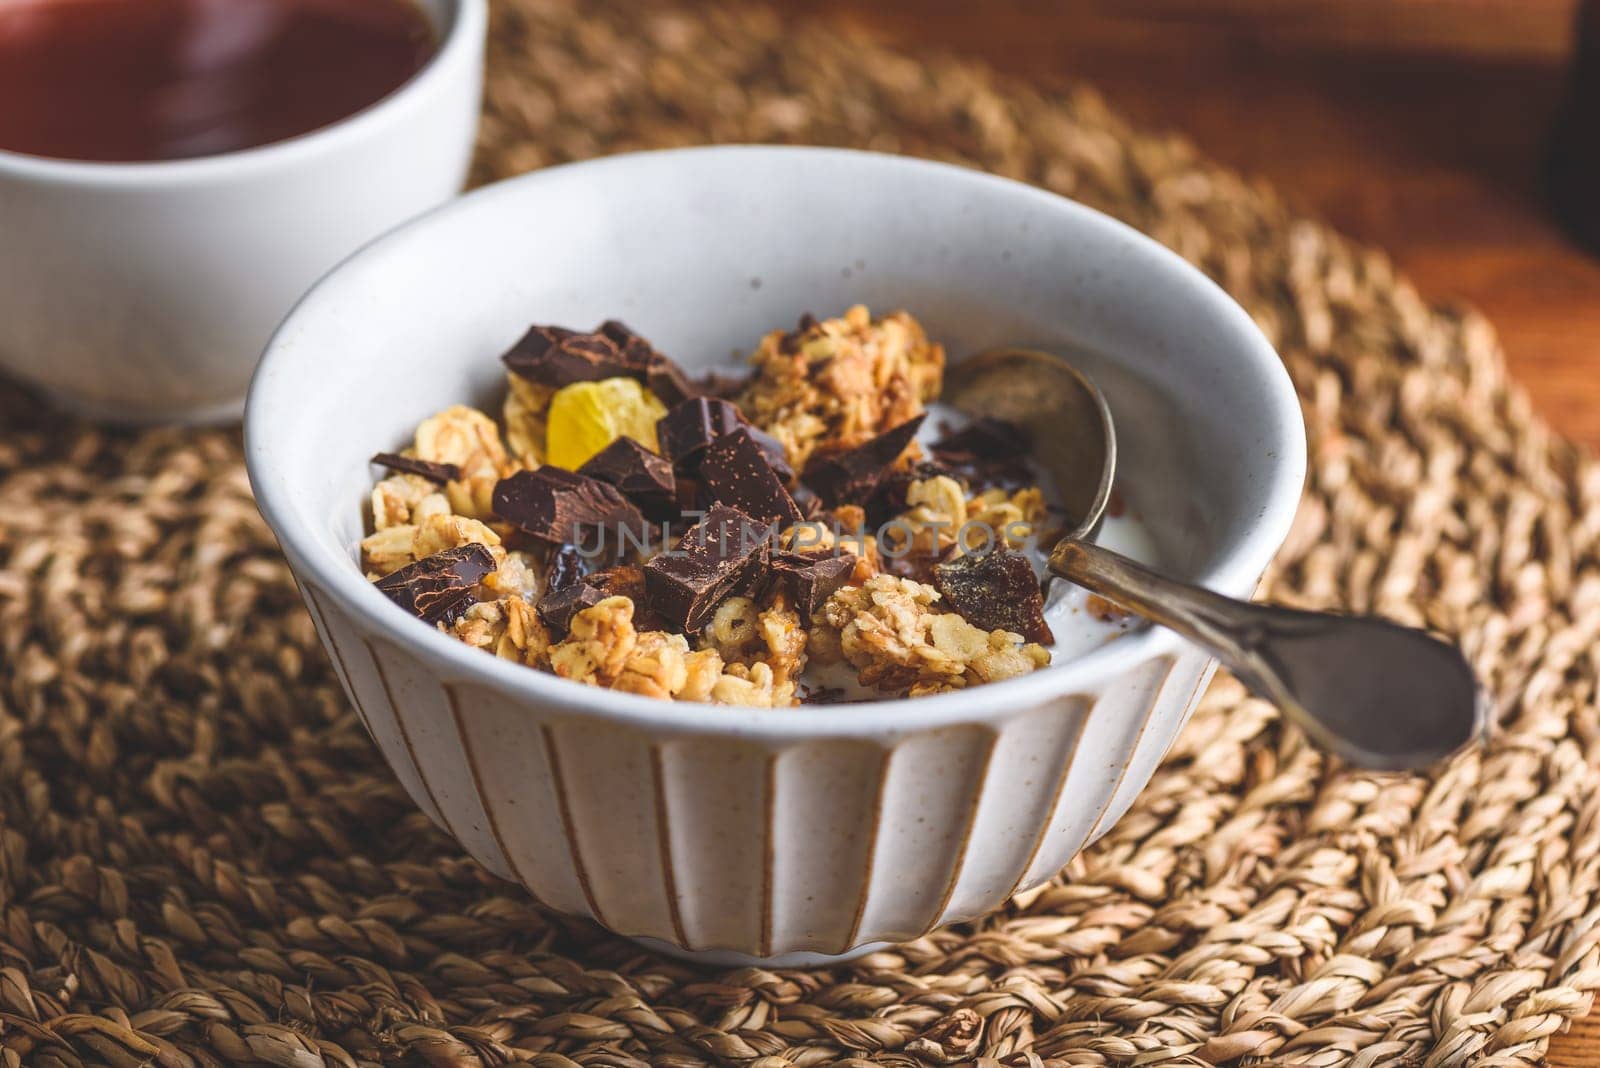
1377 694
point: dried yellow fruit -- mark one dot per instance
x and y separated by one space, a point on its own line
585 417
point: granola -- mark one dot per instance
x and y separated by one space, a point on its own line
474 525
891 631
841 380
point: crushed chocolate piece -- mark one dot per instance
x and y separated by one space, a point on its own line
736 471
809 579
717 558
776 456
566 568
995 591
689 428
438 588
554 356
917 565
559 506
643 477
691 494
556 609
659 372
851 477
433 472
686 431
811 507
987 437
890 498
987 452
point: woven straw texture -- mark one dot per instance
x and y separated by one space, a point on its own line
204 861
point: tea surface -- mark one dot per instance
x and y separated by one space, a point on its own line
142 80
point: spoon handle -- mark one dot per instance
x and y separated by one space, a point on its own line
1380 695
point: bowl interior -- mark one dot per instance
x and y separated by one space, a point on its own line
705 250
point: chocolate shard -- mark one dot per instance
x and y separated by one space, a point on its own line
624 580
438 588
889 499
566 568
660 373
917 564
777 456
988 438
987 452
554 356
717 558
851 477
995 591
565 508
639 474
688 428
809 579
433 472
737 472
691 494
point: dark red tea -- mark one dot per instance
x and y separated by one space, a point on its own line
173 79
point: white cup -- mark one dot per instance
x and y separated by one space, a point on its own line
145 292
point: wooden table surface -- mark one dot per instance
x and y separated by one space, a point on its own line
1415 125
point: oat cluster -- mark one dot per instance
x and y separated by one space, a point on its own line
840 381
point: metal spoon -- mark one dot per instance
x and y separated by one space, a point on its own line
1379 695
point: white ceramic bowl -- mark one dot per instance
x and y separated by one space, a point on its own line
145 292
790 835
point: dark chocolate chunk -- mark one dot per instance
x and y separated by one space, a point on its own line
917 564
850 477
566 568
717 558
691 494
736 471
809 579
995 591
987 452
643 477
986 437
889 500
440 473
776 454
686 430
558 607
554 356
660 373
438 588
566 508
689 428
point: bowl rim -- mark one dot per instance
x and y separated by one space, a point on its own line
1236 570
464 34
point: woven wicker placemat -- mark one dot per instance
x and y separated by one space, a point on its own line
203 859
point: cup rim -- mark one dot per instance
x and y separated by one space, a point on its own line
1235 571
468 24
